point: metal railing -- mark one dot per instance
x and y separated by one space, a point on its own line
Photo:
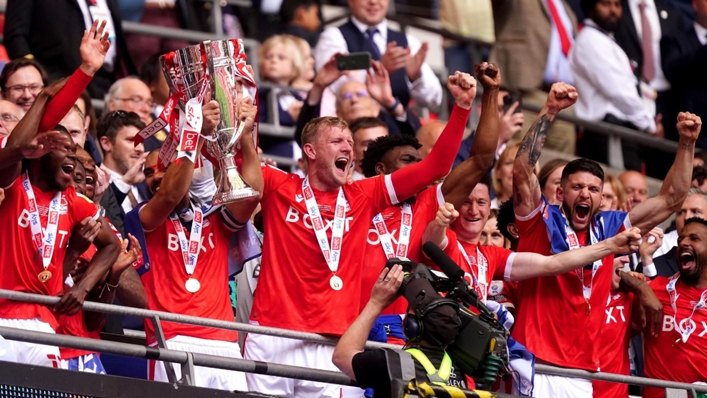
232 364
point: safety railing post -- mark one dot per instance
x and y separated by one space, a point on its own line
162 343
188 371
217 15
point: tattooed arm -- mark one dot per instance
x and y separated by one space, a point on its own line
527 192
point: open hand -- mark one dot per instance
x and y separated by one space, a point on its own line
329 73
94 47
627 241
651 242
102 182
446 215
385 291
488 75
126 257
135 174
463 88
413 66
511 123
396 57
378 85
689 126
45 142
561 96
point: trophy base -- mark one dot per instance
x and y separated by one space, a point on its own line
224 198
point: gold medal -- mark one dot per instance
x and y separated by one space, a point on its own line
336 283
44 276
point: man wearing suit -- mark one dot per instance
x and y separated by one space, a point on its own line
685 63
533 42
50 31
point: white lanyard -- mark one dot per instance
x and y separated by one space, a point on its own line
403 234
480 283
190 249
43 241
573 243
331 251
688 329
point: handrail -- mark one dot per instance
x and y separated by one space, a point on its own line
313 337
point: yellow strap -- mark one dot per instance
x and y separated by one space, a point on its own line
445 369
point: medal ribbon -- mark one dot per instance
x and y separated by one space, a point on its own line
573 243
479 275
191 248
163 120
403 233
331 251
672 292
43 241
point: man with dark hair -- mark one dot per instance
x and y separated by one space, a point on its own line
678 352
364 130
123 162
699 176
397 231
301 18
21 80
558 315
507 223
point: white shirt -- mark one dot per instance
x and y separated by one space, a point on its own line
357 176
117 179
605 81
557 68
101 12
659 82
701 32
426 90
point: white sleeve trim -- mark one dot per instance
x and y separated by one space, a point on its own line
532 213
509 267
391 189
627 222
440 195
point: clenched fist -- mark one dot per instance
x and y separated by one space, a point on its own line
561 96
463 89
446 215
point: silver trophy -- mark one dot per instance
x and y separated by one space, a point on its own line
221 60
184 70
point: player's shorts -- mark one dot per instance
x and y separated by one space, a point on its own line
560 386
89 363
220 379
259 347
30 353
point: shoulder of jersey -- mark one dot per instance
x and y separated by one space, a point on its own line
84 196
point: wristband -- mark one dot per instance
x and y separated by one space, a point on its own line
395 105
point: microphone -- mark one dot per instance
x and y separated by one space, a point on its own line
439 257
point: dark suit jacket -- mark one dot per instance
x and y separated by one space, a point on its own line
51 30
667 264
684 63
671 21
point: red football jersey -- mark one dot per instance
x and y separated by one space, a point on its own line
551 317
164 282
293 288
613 342
666 358
499 260
424 210
20 263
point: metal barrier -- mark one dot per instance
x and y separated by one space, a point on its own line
181 357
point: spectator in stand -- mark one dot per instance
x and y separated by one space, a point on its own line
401 55
503 175
678 352
281 64
500 291
663 251
10 115
356 100
603 76
364 131
130 94
331 286
184 282
507 224
21 80
304 82
91 144
547 229
123 162
32 198
75 123
428 135
635 186
550 178
684 60
612 195
300 18
490 235
50 32
533 43
699 177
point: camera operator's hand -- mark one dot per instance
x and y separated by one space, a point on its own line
385 291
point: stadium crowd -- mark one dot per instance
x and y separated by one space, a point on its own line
93 213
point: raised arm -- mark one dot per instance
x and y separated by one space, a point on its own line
354 339
412 179
673 192
436 231
532 265
177 180
250 168
527 193
463 178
